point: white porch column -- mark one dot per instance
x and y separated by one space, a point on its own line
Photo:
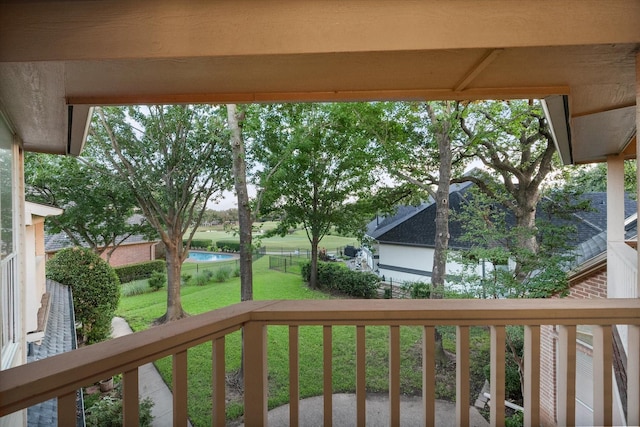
615 216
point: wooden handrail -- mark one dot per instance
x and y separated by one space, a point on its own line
61 375
26 385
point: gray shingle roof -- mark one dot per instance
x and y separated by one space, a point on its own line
415 226
59 337
55 242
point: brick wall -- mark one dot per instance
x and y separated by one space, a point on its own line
592 286
132 253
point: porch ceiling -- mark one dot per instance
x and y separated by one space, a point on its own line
56 55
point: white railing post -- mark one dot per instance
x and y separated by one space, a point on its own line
602 375
180 414
394 375
130 401
218 380
497 375
532 376
327 374
255 374
566 375
294 376
67 409
361 369
462 376
429 376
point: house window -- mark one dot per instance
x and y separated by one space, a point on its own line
9 292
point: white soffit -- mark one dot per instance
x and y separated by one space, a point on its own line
595 136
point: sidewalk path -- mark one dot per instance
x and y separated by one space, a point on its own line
150 383
344 412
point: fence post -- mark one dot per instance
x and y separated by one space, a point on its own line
285 265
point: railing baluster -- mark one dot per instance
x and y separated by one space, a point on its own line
294 377
180 389
497 375
532 375
361 391
218 382
567 375
67 409
327 375
255 374
394 375
602 375
633 375
429 376
462 376
130 400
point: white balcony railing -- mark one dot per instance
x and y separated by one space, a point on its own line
62 375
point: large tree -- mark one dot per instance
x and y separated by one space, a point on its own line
318 168
98 212
174 159
423 146
513 141
235 120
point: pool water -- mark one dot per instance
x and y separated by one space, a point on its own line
207 256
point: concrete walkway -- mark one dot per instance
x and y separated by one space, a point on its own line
344 412
150 383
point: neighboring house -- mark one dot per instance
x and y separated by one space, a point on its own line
36 301
135 248
401 247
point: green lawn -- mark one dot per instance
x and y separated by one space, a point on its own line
296 240
140 310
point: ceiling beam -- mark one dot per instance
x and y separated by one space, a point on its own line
477 69
373 95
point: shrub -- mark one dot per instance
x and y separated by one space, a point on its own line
185 279
134 288
107 412
95 287
236 271
157 280
336 277
141 270
420 290
199 243
222 274
202 279
228 245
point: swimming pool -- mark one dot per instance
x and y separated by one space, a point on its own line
207 256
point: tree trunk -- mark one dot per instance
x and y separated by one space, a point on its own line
313 276
245 218
174 268
439 270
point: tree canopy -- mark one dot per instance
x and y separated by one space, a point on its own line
173 159
98 212
318 168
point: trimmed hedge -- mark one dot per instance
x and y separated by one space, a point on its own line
199 243
95 287
228 245
337 277
141 270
